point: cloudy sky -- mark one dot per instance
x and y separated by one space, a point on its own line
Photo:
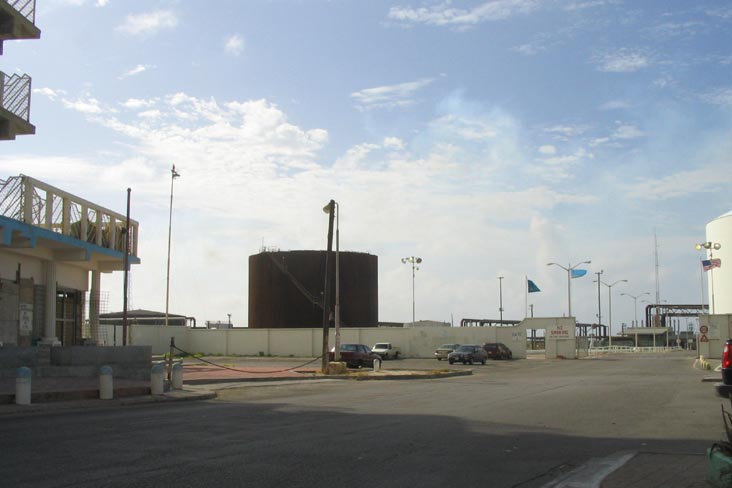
486 137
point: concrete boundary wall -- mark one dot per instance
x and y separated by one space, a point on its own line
415 342
719 329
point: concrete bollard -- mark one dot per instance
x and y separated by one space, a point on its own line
23 386
106 383
157 377
177 376
377 365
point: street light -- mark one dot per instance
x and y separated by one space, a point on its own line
337 356
569 269
635 311
414 261
610 309
711 247
635 304
599 303
500 297
173 175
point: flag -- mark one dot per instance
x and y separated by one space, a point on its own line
708 264
532 287
578 273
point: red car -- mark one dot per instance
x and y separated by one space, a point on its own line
356 355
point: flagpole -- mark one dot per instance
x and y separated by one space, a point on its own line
526 296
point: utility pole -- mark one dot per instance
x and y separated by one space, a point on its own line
599 307
500 297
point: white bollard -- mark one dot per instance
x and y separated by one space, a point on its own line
157 377
377 365
177 376
106 383
23 386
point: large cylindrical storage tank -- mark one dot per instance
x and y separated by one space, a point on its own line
719 280
286 287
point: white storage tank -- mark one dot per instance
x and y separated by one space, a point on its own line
719 280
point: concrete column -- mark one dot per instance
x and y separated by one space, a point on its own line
49 329
94 297
106 383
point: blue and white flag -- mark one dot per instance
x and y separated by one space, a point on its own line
532 287
578 273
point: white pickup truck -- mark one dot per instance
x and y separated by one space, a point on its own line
386 350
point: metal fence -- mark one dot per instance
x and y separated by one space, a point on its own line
15 94
27 8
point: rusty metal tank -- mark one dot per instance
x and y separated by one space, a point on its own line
286 289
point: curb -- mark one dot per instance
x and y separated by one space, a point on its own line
74 403
351 376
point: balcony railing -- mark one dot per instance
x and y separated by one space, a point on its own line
15 94
27 8
31 201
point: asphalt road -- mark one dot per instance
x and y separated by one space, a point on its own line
520 423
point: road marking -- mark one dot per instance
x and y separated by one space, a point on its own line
590 475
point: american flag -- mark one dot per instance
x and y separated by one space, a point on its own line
708 264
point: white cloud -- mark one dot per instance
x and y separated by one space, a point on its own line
627 131
49 92
718 96
393 143
528 49
622 61
615 105
148 23
445 14
565 132
150 114
390 96
86 105
234 44
466 127
140 68
556 168
136 103
574 6
681 184
547 149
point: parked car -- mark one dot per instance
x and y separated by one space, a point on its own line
468 354
386 350
725 387
445 349
356 355
497 350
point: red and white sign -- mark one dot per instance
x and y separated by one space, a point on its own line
559 332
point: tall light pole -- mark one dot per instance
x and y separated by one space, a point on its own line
610 309
414 261
711 247
326 209
569 269
173 175
635 312
635 304
599 304
500 297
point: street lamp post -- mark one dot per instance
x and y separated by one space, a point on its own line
635 311
711 247
569 269
599 304
173 175
414 261
500 297
610 309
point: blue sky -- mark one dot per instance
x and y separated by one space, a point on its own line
487 137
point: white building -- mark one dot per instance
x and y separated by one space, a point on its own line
54 247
